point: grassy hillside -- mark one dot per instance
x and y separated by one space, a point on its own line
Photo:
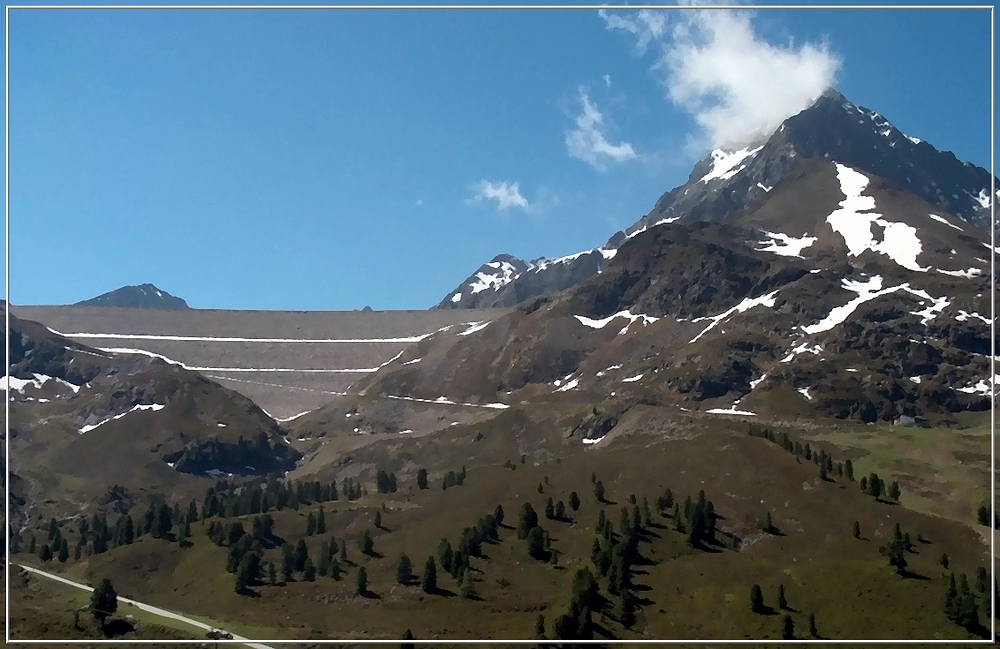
682 591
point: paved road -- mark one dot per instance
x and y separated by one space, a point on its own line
145 607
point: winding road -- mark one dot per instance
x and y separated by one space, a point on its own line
144 607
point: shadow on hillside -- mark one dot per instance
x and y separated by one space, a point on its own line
117 627
908 574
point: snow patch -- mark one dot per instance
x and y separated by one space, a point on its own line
984 198
866 291
457 297
608 369
415 360
725 164
766 189
802 349
983 387
854 218
293 417
785 245
730 411
756 382
915 379
153 406
569 386
446 401
632 379
600 324
476 326
964 315
745 305
941 219
967 274
595 440
507 274
938 305
805 392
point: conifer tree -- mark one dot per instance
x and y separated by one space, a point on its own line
550 511
599 491
309 570
540 627
498 515
310 524
321 521
857 530
756 599
812 626
788 628
943 561
404 570
362 582
782 602
429 581
422 479
893 492
574 501
378 520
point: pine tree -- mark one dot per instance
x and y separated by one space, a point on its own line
527 520
813 633
982 579
626 609
599 491
445 555
540 627
857 530
310 524
849 470
943 561
309 571
378 520
321 521
788 628
63 551
422 479
756 599
893 492
560 511
362 583
103 601
301 554
550 510
498 515
951 601
404 570
429 581
782 602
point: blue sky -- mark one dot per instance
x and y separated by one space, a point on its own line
337 159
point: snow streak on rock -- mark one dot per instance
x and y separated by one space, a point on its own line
746 304
154 407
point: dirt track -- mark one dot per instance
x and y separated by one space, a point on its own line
248 366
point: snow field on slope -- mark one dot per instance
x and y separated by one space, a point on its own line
854 218
726 164
785 245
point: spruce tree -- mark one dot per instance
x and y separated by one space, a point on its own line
894 492
782 602
378 520
103 601
404 570
309 570
310 524
599 491
756 599
788 628
540 627
812 626
429 581
857 530
321 521
362 582
422 479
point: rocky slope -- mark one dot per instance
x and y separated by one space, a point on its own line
842 294
730 181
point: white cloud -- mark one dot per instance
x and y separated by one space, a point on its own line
420 202
507 195
735 84
588 143
645 24
607 80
